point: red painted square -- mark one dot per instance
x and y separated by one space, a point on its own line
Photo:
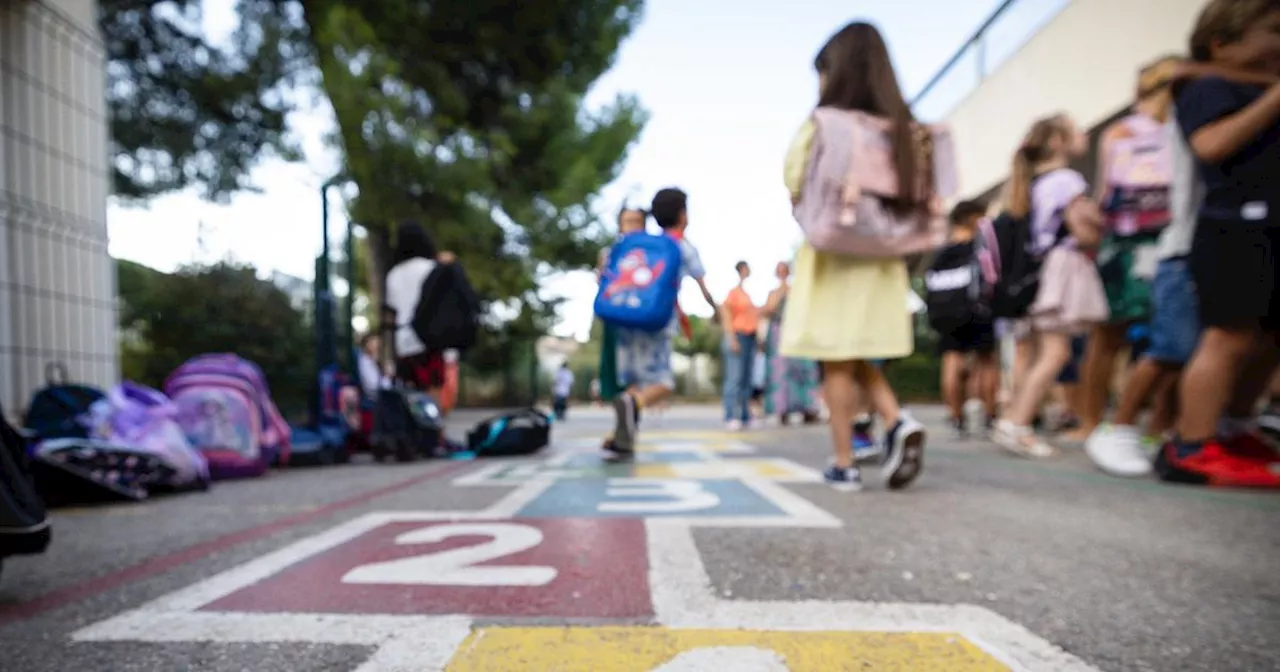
575 567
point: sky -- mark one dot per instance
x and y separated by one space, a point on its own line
726 83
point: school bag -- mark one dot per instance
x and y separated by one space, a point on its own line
521 433
24 525
640 283
1139 175
957 291
56 411
406 425
448 312
226 411
851 181
137 419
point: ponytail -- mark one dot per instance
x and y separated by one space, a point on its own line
1033 150
1018 194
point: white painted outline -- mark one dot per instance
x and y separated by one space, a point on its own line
680 589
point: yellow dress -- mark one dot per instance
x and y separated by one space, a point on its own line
842 308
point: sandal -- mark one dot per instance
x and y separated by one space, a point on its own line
1021 441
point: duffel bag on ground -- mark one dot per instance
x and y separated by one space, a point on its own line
521 433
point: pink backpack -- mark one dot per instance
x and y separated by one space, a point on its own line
1139 172
850 174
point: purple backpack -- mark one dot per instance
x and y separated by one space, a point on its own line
225 409
138 417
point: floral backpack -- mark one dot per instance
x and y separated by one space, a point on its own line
850 179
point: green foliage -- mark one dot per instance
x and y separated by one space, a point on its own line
481 135
184 112
219 308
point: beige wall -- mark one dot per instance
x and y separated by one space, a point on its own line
1084 63
57 282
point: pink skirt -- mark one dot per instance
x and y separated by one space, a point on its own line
1071 299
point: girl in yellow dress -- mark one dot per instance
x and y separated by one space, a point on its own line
846 312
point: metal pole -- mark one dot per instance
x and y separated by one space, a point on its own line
349 330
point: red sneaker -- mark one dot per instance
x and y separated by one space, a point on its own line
1213 464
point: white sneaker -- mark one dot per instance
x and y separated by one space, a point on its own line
733 425
1117 450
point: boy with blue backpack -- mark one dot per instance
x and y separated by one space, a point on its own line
637 296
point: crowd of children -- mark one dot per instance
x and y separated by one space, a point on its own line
1176 240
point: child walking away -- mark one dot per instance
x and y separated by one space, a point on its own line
958 301
638 297
563 388
1048 207
866 181
630 220
1233 130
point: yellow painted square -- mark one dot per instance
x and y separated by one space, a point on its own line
653 471
641 649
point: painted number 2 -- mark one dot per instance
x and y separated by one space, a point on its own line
459 566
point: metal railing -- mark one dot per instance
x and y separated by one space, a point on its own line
1010 26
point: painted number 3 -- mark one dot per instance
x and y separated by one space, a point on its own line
460 566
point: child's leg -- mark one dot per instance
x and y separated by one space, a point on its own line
841 394
987 370
1210 379
1146 378
1103 345
952 388
1254 381
1164 412
882 399
1053 353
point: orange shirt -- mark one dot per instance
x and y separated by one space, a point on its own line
743 314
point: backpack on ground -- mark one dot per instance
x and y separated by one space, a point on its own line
448 312
24 525
226 411
1139 174
851 182
406 425
143 420
56 411
640 283
522 433
957 291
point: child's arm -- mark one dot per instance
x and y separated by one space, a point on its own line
1083 219
1219 140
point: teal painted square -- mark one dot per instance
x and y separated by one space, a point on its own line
582 498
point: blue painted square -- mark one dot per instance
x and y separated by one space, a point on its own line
644 498
593 460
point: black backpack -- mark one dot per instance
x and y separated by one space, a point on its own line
521 433
24 527
955 293
55 410
1019 277
448 312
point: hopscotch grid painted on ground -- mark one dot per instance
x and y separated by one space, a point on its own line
680 589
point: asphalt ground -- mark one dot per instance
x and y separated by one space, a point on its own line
713 550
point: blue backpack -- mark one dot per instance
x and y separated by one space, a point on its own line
640 283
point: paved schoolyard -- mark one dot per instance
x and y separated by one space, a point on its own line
713 550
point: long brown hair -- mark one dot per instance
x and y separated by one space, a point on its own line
859 76
1033 150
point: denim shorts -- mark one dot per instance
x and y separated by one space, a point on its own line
1175 316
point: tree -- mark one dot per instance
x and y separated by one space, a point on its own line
464 114
221 308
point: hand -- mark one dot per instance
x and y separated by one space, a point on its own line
446 257
733 345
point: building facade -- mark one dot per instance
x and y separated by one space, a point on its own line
57 280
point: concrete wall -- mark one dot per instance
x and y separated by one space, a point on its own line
57 282
1084 63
